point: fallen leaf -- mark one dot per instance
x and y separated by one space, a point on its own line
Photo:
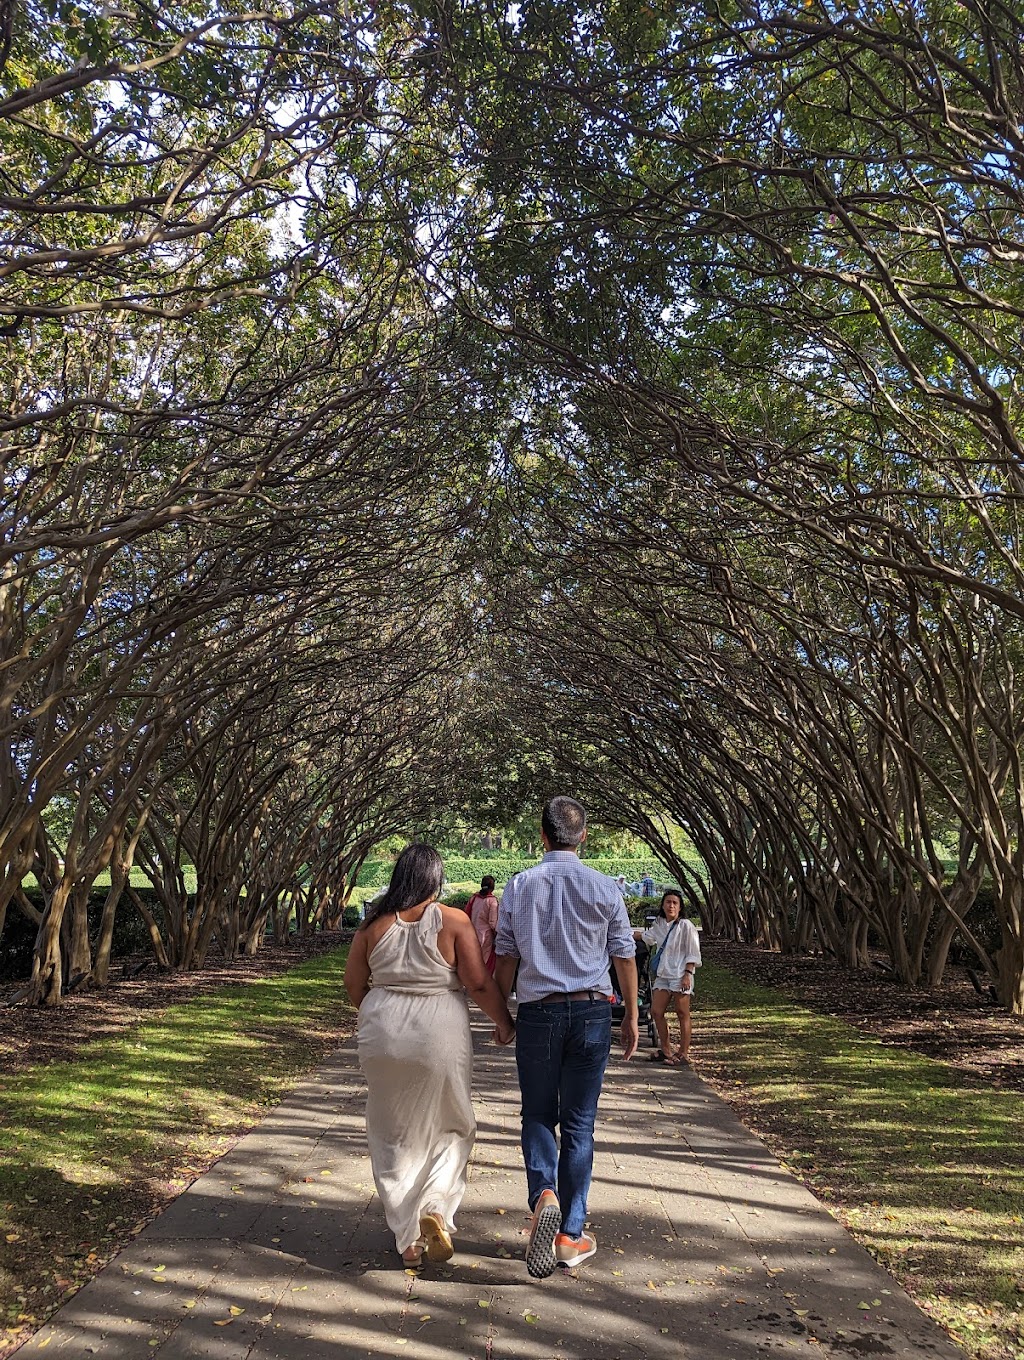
223 1322
531 1318
501 1211
326 1173
483 1303
235 1311
158 1269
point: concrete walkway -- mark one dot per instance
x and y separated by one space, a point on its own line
708 1248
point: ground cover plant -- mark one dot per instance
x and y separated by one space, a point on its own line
919 1159
92 1145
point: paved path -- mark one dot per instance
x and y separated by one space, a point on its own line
708 1249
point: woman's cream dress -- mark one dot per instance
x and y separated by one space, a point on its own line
416 1053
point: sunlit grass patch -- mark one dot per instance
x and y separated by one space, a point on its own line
89 1147
922 1164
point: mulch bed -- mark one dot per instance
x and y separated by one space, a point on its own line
31 1035
952 1023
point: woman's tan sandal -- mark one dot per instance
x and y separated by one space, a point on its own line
435 1234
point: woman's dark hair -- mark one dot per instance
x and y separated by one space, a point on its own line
418 876
671 892
487 883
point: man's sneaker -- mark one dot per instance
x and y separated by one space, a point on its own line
547 1219
572 1251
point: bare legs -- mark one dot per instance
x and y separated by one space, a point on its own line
660 1000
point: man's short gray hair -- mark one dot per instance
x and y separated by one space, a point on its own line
564 821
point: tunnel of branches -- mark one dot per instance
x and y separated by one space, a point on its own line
418 406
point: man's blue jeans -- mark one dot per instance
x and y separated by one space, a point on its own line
561 1051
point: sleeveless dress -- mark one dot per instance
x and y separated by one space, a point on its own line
416 1052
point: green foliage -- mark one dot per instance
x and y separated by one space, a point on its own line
351 916
503 864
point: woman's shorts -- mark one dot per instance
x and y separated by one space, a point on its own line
663 983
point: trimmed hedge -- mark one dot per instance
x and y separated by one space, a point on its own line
376 873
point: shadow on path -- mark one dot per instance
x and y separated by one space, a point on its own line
707 1248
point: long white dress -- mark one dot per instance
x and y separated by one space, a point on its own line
416 1053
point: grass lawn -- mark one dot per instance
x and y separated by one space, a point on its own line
922 1165
89 1148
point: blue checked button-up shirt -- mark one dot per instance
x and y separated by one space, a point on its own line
562 920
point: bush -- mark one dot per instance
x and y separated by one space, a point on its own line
376 873
130 933
351 916
458 898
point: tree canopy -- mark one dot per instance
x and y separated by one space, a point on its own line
423 407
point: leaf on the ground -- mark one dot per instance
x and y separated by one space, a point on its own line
158 1269
326 1173
223 1322
862 1304
501 1211
235 1311
46 1342
425 1317
267 1317
651 1284
14 1237
801 1312
531 1317
616 1272
483 1303
299 1288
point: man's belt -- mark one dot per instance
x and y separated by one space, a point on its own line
591 995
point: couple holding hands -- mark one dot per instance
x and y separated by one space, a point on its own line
411 967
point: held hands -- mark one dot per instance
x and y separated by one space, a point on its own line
504 1034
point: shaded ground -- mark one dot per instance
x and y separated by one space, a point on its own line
40 1035
953 1023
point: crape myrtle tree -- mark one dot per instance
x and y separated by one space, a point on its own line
767 698
225 397
785 242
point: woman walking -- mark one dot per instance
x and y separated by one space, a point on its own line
482 910
409 969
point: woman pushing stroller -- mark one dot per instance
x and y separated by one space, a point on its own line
675 956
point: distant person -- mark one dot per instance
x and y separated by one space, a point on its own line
410 966
561 921
482 909
675 947
621 884
647 885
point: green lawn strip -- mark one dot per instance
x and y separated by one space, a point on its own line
91 1147
923 1166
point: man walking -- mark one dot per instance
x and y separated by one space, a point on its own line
561 921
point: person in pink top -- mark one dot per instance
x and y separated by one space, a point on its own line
483 912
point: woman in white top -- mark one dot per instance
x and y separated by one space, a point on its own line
673 982
409 969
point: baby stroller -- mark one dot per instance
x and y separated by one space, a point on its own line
643 973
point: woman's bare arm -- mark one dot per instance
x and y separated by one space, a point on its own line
469 964
357 970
